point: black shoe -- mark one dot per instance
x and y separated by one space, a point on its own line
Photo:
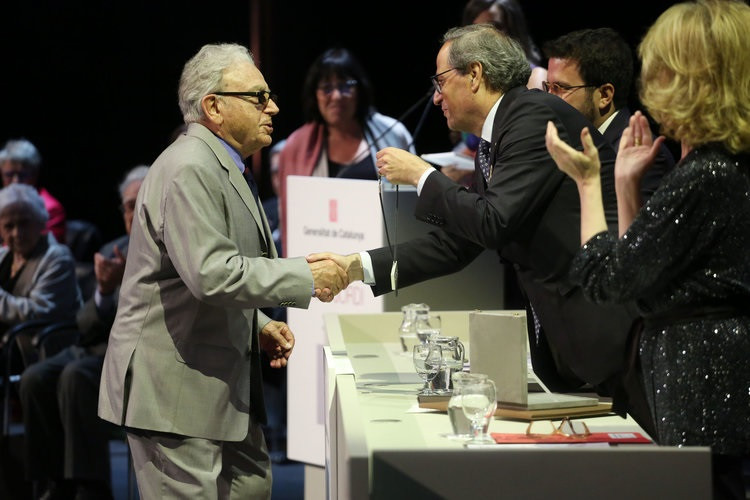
60 489
93 490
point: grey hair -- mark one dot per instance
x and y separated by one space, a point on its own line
134 174
26 195
22 151
503 60
203 74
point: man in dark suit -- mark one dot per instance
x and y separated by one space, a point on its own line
522 207
66 442
592 70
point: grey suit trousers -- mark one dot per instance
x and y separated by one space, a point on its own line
173 466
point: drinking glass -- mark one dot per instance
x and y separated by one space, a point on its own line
478 400
459 422
428 359
408 328
427 325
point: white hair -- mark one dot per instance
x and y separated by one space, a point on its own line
203 74
27 196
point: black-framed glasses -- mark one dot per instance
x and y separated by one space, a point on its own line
559 88
437 83
345 88
263 96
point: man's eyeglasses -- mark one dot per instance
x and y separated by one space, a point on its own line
559 88
437 83
345 88
263 96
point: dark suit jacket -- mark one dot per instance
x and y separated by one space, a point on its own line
663 162
529 213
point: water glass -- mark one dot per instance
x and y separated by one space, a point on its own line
428 360
459 422
478 401
427 325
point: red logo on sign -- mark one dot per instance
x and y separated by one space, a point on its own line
333 213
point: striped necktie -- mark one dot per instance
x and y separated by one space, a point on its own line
483 151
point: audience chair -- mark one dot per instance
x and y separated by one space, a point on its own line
54 338
17 353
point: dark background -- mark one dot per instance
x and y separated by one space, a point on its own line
93 83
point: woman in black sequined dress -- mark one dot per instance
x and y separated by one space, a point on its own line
683 256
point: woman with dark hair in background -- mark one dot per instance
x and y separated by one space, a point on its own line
508 17
343 131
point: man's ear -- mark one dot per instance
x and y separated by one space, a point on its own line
475 72
210 106
606 97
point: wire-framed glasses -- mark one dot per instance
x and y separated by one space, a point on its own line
437 83
560 88
567 428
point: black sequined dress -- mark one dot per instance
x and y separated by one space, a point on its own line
686 253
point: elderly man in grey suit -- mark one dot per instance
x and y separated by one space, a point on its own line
182 368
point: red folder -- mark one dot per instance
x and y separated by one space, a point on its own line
594 437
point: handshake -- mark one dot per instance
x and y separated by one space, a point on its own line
333 273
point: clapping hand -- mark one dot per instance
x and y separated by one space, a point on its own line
108 271
637 149
580 166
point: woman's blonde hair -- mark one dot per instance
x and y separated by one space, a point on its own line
695 77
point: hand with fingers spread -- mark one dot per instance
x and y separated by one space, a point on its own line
580 166
277 341
400 166
637 150
328 279
584 168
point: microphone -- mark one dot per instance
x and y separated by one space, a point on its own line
406 113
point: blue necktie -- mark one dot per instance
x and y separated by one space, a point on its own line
483 151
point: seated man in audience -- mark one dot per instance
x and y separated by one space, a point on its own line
20 162
66 442
592 70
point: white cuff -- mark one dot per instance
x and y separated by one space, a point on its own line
369 275
423 179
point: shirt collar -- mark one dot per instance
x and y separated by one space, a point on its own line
489 122
603 126
233 153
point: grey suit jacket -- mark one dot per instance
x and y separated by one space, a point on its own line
46 288
201 262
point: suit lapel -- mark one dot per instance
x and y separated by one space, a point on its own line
508 99
236 179
616 127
